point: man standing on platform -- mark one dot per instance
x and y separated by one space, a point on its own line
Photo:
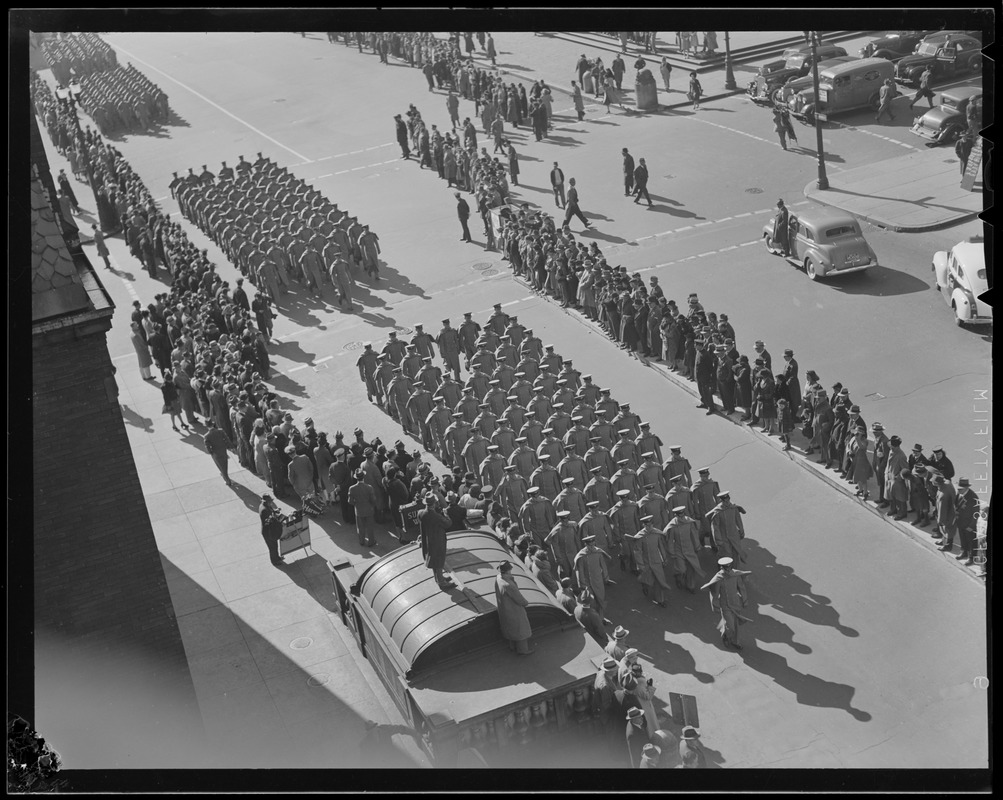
433 527
515 627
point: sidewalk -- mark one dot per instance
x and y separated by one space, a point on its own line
918 192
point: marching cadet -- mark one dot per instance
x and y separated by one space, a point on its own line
511 490
450 390
564 395
394 349
505 375
677 464
729 596
457 435
596 525
479 382
411 362
599 457
547 379
602 429
521 388
682 533
398 393
577 438
599 490
625 449
206 177
495 397
585 410
629 420
485 422
591 572
573 466
531 346
625 519
492 468
551 446
704 492
607 404
680 495
430 376
552 361
571 375
384 374
367 372
448 342
523 459
571 499
514 414
225 173
654 505
506 352
559 421
545 478
650 472
499 320
726 521
537 516
468 404
419 406
504 438
475 451
540 404
516 332
651 556
648 441
437 422
532 429
589 391
564 544
422 342
625 478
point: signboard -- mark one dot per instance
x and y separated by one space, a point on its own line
409 516
974 167
295 535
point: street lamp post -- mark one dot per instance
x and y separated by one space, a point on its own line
729 75
823 181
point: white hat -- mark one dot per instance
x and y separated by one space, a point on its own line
724 562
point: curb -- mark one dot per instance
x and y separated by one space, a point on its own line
906 530
812 192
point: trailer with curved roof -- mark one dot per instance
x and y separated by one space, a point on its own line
441 656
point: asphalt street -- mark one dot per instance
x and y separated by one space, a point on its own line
866 646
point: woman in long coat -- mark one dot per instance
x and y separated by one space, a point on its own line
323 458
862 469
258 442
837 437
765 407
513 165
515 627
300 473
628 329
142 352
743 384
186 393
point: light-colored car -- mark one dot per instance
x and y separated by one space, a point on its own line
960 274
944 123
825 242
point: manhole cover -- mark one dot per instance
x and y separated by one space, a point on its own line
318 680
481 265
401 329
489 272
949 160
353 345
302 643
754 190
280 100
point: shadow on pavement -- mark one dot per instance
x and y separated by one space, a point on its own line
284 384
291 350
880 281
810 690
787 592
134 418
394 281
563 141
594 234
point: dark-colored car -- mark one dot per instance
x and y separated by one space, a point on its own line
797 62
950 56
893 45
943 124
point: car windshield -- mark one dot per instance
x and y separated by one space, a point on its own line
795 62
840 230
927 49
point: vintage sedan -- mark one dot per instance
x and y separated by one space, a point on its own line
893 45
784 93
796 63
948 57
960 275
943 124
824 242
760 89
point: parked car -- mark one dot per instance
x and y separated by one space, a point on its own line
792 87
954 55
960 275
893 45
843 87
943 124
825 242
797 61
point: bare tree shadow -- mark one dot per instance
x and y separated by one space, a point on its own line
789 593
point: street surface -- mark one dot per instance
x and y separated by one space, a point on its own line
865 645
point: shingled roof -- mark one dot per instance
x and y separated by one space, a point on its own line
56 288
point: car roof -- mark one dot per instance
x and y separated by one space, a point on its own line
957 36
825 217
859 63
961 93
972 255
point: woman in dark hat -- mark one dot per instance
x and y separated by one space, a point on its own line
172 402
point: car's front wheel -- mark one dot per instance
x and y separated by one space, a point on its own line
957 318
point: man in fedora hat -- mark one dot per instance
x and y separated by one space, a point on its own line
967 515
945 507
362 496
728 595
511 604
433 526
604 702
651 757
616 647
565 596
691 754
271 527
895 491
879 460
637 736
